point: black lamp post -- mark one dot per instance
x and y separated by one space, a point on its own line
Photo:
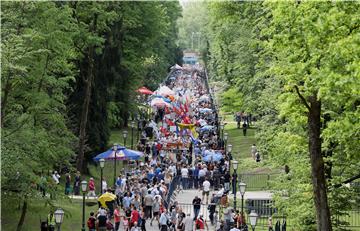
138 128
83 189
242 188
115 152
124 136
229 149
59 215
132 134
253 219
222 131
235 166
102 165
225 140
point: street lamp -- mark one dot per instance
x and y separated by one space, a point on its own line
59 215
115 152
132 124
125 135
225 140
242 188
222 130
83 189
253 219
102 165
235 166
138 128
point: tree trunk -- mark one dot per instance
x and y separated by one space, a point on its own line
22 217
80 165
317 166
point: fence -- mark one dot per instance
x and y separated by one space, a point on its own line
257 182
350 219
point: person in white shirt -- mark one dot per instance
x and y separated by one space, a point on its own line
56 177
202 174
184 177
189 223
104 186
206 190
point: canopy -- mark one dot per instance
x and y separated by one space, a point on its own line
121 154
144 90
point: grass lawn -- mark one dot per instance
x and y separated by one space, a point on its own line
38 210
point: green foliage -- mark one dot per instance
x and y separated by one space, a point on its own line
36 71
267 50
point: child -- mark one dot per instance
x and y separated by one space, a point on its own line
91 222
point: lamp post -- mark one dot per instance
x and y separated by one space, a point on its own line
253 219
132 133
222 131
115 152
225 140
124 136
59 215
138 128
242 188
83 189
235 166
229 149
102 165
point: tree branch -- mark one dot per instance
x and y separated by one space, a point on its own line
302 97
351 179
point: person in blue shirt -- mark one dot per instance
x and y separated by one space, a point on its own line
127 200
196 177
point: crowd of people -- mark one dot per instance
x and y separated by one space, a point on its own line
183 149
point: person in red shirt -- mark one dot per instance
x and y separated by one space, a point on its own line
117 217
200 223
91 188
134 215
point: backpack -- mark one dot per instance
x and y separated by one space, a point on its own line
91 223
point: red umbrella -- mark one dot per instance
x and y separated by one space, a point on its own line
144 90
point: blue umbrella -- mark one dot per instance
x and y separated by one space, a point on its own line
121 154
204 110
207 128
213 157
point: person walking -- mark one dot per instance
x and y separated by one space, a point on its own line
51 221
91 222
196 204
148 201
200 224
206 190
67 183
188 223
117 217
164 221
77 184
184 177
91 188
244 127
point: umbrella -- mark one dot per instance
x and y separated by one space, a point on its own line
106 197
215 157
165 91
121 154
207 128
159 102
204 110
144 90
